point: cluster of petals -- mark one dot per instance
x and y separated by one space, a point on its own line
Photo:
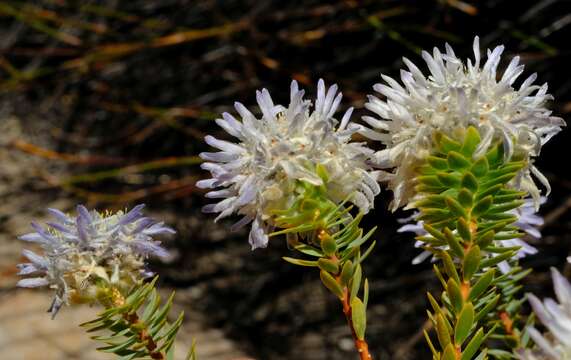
79 251
455 95
258 174
555 316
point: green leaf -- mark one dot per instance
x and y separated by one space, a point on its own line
331 266
486 239
330 283
471 262
471 141
449 266
469 182
456 207
429 180
455 295
359 317
356 281
322 173
301 262
487 308
464 230
437 234
442 331
457 161
482 206
328 244
437 163
465 198
482 284
473 345
480 167
446 144
464 323
448 180
346 272
454 244
497 259
308 250
361 239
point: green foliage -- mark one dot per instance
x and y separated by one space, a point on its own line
464 203
330 236
137 326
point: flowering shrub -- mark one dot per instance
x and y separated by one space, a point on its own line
459 149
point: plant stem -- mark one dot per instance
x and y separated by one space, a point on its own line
361 345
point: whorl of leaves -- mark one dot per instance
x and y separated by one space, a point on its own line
137 327
465 203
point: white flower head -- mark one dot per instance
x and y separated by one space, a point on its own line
80 251
527 220
455 95
556 317
258 173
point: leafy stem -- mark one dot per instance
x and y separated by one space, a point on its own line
331 237
137 323
465 203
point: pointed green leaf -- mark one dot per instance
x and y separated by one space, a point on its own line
453 242
359 317
482 206
480 167
473 345
442 331
455 207
455 295
465 198
330 283
464 230
464 323
457 161
469 182
300 262
346 272
471 262
482 284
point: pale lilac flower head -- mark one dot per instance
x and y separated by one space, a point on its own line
89 247
528 221
457 94
258 174
555 344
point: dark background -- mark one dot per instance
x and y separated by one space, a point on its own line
119 95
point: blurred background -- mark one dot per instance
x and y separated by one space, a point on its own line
107 102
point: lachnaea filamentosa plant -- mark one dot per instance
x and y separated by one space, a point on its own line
294 172
100 258
460 146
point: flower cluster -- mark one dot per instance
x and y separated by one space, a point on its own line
258 175
79 252
454 96
527 220
556 317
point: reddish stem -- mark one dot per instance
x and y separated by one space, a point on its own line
361 345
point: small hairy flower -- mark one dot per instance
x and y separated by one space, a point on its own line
528 221
258 174
80 251
556 317
455 95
